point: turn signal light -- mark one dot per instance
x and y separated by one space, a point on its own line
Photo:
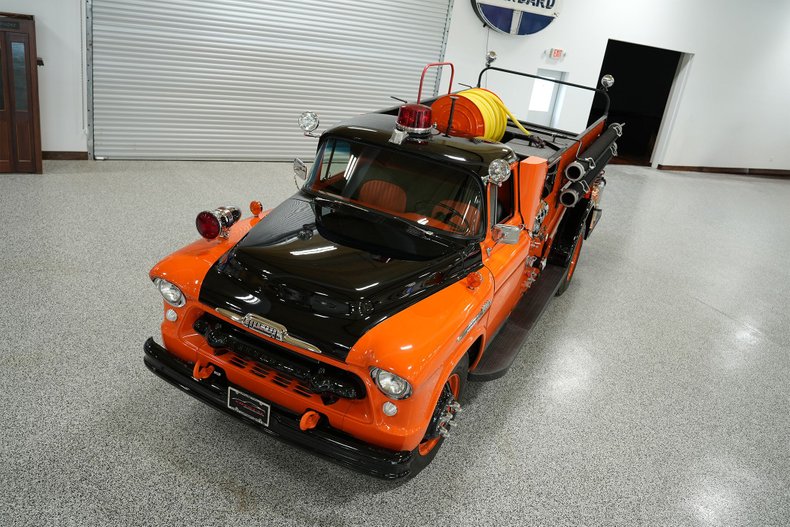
473 280
256 207
215 223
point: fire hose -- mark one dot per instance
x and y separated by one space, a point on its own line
495 113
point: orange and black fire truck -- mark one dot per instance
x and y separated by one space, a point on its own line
422 248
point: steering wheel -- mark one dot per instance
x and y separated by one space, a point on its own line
453 213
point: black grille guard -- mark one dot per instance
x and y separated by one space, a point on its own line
325 380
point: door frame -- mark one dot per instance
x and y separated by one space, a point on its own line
671 110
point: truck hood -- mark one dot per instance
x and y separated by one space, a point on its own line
328 271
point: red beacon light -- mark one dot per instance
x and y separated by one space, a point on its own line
415 119
215 223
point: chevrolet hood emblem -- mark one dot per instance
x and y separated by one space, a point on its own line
267 327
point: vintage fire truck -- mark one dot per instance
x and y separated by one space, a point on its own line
423 246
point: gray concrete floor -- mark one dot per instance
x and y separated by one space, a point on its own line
656 391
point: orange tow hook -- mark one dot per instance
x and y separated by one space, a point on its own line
309 420
202 370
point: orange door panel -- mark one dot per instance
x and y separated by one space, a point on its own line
506 263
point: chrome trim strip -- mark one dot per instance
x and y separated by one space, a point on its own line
483 311
230 314
293 341
267 328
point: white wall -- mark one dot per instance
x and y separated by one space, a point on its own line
59 42
735 108
734 111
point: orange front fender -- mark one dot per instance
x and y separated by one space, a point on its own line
187 266
422 344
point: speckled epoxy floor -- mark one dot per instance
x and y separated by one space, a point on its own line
655 392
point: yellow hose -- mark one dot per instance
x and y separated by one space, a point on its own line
495 113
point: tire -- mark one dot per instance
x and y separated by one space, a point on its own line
427 450
566 280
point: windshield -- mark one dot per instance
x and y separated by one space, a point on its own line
432 195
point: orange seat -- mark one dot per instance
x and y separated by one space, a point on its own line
383 195
471 215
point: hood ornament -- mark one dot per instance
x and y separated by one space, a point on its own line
268 328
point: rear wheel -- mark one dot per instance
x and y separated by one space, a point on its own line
566 280
443 416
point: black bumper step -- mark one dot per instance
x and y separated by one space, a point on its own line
503 349
283 424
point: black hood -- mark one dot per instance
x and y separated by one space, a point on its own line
329 271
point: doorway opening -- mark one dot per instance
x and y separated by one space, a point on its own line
644 77
545 104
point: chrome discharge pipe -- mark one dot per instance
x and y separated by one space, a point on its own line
574 191
589 166
590 158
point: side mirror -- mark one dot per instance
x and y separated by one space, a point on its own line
507 234
300 169
607 81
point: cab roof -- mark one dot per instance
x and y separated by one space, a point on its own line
376 128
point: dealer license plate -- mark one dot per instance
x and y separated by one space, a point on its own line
248 406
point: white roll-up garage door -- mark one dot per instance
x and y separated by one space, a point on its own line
227 79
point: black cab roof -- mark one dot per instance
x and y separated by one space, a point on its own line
376 128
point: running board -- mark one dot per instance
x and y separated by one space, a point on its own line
503 349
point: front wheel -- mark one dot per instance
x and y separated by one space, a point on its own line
443 418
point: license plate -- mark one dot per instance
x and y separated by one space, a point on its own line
248 406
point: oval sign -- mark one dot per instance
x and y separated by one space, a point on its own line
517 17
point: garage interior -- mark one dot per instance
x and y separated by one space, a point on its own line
654 392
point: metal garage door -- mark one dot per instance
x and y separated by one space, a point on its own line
226 79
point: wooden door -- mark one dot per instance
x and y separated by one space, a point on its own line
20 135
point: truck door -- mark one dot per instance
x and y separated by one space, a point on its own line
506 262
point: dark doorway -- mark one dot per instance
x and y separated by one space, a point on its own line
20 133
643 79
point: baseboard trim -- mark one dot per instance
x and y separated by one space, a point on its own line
65 156
726 170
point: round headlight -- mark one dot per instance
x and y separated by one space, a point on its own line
498 171
308 121
390 384
170 292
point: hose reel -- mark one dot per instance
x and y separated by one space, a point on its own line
477 112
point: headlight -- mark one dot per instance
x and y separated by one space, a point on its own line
170 292
390 384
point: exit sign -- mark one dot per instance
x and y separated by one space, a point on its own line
556 53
